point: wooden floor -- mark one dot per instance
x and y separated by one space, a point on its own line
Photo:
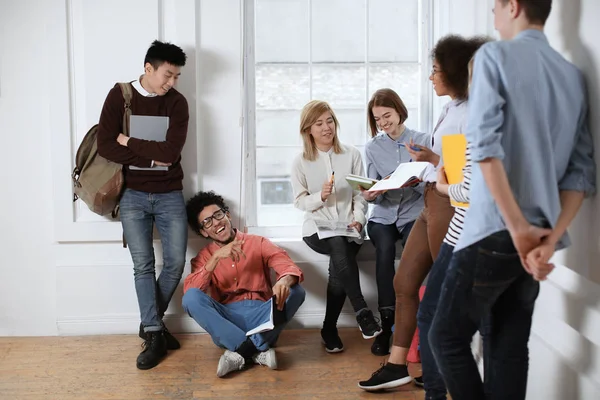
103 367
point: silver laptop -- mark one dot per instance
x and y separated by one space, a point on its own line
149 127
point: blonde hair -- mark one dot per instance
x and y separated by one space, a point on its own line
309 116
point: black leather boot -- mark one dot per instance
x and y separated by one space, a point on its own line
172 342
381 345
155 348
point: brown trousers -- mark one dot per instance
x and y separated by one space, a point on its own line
421 250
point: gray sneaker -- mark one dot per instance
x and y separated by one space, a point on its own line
266 358
230 361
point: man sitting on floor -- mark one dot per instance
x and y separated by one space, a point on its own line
229 290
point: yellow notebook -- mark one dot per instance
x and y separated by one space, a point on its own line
454 148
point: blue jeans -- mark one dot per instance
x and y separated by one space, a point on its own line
485 282
435 389
227 324
139 212
384 238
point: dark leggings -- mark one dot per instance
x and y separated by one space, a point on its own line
343 274
384 238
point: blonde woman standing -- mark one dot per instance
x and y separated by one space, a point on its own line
321 191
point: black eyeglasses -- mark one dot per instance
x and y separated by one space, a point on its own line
218 215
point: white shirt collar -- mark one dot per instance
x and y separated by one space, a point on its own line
138 86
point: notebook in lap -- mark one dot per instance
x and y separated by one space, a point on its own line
149 127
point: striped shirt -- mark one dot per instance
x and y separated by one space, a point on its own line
459 192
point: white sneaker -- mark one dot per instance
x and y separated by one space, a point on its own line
266 358
230 361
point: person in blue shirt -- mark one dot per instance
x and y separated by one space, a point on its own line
533 164
394 212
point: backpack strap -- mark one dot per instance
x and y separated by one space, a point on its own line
127 91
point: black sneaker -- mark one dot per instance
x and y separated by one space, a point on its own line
389 376
381 344
155 348
172 342
419 381
368 325
331 340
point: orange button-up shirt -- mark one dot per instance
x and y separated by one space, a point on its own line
247 279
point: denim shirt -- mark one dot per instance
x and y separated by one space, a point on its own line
383 155
527 108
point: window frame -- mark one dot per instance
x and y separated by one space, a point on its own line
250 187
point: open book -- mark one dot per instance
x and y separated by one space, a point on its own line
275 318
356 180
407 174
327 229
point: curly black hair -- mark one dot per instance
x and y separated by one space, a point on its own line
196 204
453 53
161 52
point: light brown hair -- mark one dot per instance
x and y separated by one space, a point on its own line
385 98
310 114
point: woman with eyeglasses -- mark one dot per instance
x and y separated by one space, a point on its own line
435 224
322 192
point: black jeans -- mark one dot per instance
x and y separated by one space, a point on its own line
384 238
343 269
485 282
435 389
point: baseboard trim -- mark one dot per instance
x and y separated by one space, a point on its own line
125 324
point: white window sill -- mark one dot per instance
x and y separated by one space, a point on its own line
290 239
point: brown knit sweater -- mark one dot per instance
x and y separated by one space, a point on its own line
140 153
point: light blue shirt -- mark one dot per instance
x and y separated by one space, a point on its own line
528 108
383 155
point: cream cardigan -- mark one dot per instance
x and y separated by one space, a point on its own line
344 204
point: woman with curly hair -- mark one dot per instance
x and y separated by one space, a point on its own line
435 224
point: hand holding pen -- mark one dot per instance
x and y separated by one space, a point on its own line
328 187
421 153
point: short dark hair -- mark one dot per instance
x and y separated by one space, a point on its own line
161 52
536 11
199 202
385 98
453 53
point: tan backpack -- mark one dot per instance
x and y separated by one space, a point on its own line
96 180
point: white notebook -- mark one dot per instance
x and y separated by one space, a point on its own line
406 174
275 318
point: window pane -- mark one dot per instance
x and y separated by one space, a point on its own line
353 126
338 30
278 128
282 31
276 192
275 198
414 120
405 79
389 20
281 87
275 162
340 85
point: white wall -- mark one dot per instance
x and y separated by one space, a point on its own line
63 271
565 341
